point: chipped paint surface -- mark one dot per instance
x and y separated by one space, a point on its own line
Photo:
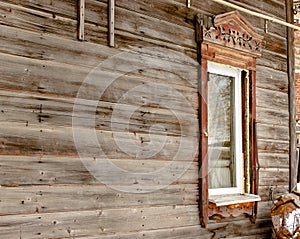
288 222
286 217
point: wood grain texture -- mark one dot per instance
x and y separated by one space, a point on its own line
292 97
42 77
272 79
46 190
40 110
51 170
46 47
272 116
274 176
237 228
272 60
272 160
74 223
275 8
51 199
271 193
190 232
270 132
98 10
273 147
49 23
35 139
272 99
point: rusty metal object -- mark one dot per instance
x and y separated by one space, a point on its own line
286 217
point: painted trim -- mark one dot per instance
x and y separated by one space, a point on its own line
237 114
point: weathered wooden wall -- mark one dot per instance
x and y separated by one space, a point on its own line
46 192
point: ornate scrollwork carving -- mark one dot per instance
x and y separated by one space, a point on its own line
232 30
232 38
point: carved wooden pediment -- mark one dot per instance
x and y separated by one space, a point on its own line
233 31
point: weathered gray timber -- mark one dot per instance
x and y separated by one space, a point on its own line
46 191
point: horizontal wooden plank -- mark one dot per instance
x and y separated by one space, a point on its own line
270 132
125 21
124 40
35 74
96 20
276 45
273 160
73 52
127 17
256 5
274 8
56 48
272 116
49 21
190 232
94 32
66 8
43 77
159 9
69 8
271 79
19 138
273 176
180 11
40 110
37 170
94 11
47 47
271 57
44 22
272 146
271 99
274 29
96 222
45 199
272 60
148 54
240 228
158 29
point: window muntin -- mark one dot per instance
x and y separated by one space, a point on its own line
225 153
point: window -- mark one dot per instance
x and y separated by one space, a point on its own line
225 155
228 48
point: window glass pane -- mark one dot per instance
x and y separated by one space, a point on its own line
220 131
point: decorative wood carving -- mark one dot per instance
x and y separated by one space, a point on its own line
234 210
233 31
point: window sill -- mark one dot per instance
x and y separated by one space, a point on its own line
225 206
231 199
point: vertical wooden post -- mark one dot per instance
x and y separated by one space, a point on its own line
81 20
292 95
203 115
111 23
203 121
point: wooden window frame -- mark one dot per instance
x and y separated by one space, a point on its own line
236 74
230 40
